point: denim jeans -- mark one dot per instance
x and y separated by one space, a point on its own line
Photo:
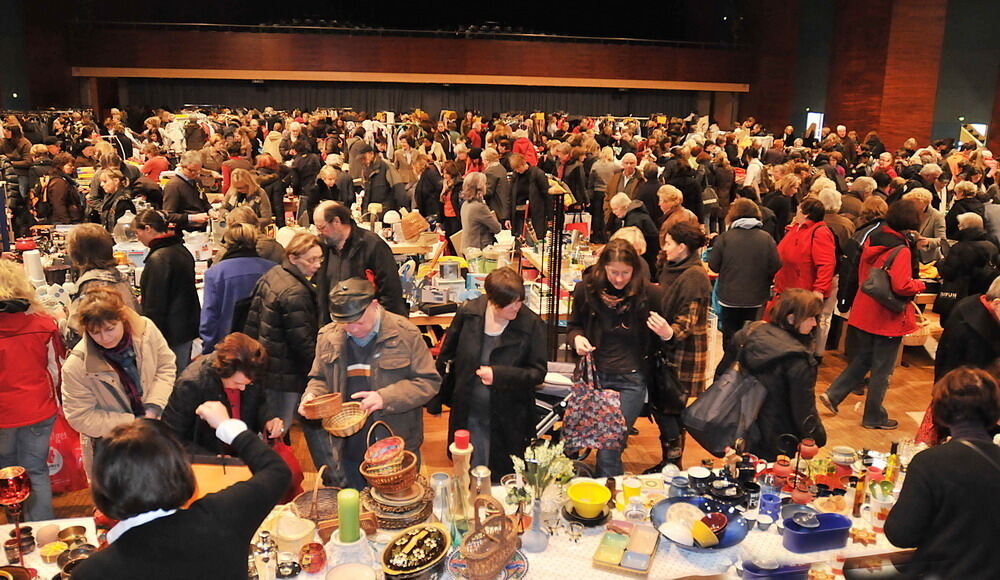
182 352
284 405
28 447
732 320
632 387
877 354
825 317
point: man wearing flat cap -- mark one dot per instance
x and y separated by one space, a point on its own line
378 358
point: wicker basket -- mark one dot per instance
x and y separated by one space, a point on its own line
322 406
387 456
348 421
491 543
396 480
919 336
319 504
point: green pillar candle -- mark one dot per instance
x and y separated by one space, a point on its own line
349 512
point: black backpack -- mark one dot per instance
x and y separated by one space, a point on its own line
847 267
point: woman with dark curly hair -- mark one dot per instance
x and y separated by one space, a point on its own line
227 375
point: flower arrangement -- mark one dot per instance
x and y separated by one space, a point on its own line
543 465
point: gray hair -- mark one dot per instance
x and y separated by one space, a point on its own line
970 220
919 194
474 186
931 169
994 292
490 155
629 156
620 200
190 158
864 185
830 199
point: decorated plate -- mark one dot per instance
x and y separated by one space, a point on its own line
516 569
735 532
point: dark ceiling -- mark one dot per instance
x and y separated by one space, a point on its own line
711 21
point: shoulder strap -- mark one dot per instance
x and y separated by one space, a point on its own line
892 257
981 453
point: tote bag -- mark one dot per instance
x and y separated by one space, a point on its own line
594 416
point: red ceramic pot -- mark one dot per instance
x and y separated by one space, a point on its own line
782 467
808 449
802 494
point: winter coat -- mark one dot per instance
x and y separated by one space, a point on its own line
613 186
691 190
383 185
283 318
479 225
498 196
867 314
30 352
932 227
785 365
524 147
169 297
427 193
305 168
964 205
808 258
971 337
226 283
61 192
182 198
687 294
746 259
969 268
94 399
364 255
519 366
403 374
200 383
636 216
342 191
114 206
100 277
540 206
841 227
272 145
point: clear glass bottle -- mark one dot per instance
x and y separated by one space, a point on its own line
636 511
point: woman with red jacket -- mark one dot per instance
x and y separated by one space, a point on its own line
808 253
30 352
877 330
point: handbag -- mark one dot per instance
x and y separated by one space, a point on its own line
594 417
666 393
288 455
727 411
878 285
709 197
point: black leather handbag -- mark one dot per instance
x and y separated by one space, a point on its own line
878 285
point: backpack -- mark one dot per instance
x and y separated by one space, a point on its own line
847 268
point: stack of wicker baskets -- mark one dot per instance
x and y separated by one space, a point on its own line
397 495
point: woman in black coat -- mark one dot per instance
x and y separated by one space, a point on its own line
283 316
490 381
169 296
683 179
226 375
779 354
142 477
427 192
949 506
331 184
970 266
273 178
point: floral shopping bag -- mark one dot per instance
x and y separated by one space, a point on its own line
594 416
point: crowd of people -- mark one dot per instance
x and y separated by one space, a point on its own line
798 229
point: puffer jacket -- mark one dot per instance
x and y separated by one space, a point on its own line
93 397
403 373
283 317
867 314
169 297
786 367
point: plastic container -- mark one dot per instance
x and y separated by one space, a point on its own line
832 533
750 570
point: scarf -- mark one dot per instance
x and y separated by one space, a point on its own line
614 299
240 252
122 358
746 223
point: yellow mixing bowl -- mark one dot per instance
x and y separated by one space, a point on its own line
589 498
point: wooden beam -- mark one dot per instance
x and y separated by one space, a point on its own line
458 79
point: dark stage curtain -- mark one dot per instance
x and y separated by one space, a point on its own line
403 97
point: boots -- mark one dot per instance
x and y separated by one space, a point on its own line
672 450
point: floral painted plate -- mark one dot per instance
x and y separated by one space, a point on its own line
515 570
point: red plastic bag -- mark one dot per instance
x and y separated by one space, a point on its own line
286 453
65 458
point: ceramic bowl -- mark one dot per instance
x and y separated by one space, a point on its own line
589 498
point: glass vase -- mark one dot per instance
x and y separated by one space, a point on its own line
535 540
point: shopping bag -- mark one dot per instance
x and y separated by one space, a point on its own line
726 411
594 416
65 458
286 453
